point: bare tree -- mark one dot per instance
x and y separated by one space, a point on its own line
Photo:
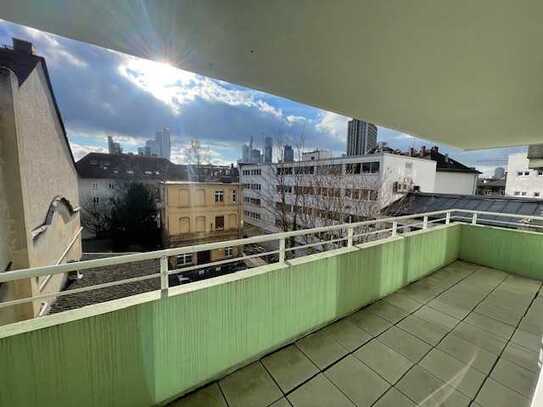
96 215
302 195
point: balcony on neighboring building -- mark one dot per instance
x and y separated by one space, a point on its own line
440 308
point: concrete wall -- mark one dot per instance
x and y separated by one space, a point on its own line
144 350
455 183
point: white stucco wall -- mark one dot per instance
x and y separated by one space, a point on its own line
455 183
522 181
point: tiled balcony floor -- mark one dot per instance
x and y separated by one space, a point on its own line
465 335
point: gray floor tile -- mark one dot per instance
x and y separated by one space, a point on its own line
402 301
289 367
427 331
370 323
209 396
318 392
515 377
494 394
431 315
405 343
385 310
468 353
490 325
422 387
281 403
527 339
458 311
250 386
479 337
321 348
394 398
521 356
388 363
357 381
456 374
505 315
348 334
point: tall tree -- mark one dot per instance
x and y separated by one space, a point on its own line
134 218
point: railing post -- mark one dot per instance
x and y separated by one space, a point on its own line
425 222
350 233
394 228
282 250
474 219
164 285
448 218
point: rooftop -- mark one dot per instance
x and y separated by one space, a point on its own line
464 333
418 202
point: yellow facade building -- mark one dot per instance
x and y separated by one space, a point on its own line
200 212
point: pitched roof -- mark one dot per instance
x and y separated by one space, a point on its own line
21 61
127 166
447 164
420 202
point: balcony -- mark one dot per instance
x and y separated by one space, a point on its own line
434 309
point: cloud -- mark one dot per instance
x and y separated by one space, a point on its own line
79 150
104 93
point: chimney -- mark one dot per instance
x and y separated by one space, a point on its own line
412 152
423 150
22 46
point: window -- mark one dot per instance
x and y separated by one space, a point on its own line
523 193
184 259
96 200
219 196
228 251
517 193
536 193
539 172
95 186
234 196
184 224
219 222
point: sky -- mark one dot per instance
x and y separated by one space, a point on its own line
104 93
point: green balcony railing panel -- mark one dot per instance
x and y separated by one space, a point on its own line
146 354
514 251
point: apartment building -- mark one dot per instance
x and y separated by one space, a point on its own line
330 190
200 212
523 181
39 202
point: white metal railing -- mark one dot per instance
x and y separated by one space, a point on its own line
287 243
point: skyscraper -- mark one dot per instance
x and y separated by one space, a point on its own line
361 137
288 153
113 148
160 146
245 153
163 141
268 150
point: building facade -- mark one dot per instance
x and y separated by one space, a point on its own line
39 202
452 177
521 180
331 190
361 137
288 153
203 212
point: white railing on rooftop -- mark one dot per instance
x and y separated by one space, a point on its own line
288 245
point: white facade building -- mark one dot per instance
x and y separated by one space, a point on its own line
522 181
361 183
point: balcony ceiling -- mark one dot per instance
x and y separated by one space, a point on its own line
466 73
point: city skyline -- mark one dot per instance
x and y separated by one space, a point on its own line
129 98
